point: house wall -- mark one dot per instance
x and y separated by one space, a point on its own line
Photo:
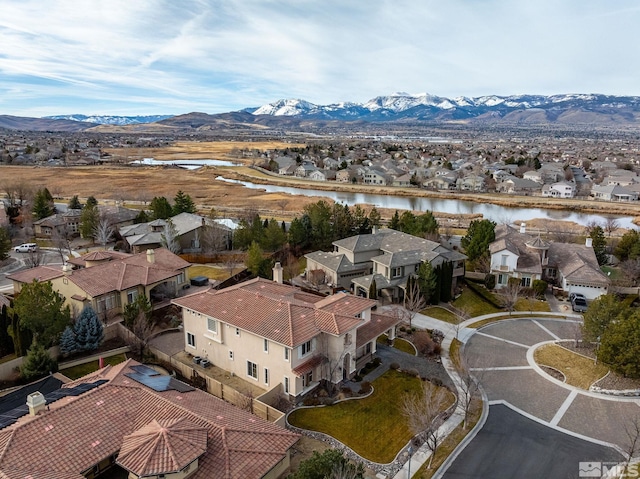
330 275
497 266
590 291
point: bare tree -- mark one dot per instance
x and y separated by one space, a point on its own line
610 225
631 270
141 327
292 266
510 293
61 239
413 299
34 258
468 385
282 204
103 231
591 225
425 413
331 362
214 239
631 445
169 238
561 233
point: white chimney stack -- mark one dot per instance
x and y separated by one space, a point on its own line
589 242
277 273
151 256
36 403
523 228
66 269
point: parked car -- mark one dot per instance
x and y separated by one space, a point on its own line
26 248
579 305
573 296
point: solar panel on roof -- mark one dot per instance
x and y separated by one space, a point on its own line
142 369
159 382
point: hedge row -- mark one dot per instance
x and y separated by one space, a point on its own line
484 293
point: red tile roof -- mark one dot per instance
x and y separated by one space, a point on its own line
374 328
276 311
78 432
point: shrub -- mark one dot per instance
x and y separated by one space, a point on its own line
377 362
490 281
423 343
437 349
484 293
365 388
413 372
539 287
395 366
357 378
403 329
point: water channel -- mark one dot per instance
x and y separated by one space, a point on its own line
497 213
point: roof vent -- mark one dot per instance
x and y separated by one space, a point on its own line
36 403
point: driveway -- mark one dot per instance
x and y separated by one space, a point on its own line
525 404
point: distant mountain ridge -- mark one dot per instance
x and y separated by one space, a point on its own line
111 119
401 109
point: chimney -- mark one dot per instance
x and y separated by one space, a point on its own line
277 273
589 242
151 256
374 230
66 269
523 228
36 403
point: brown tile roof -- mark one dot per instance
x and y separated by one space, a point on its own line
307 366
375 327
273 311
162 447
98 256
4 301
78 432
40 273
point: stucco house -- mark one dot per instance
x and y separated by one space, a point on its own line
572 267
108 280
271 333
562 189
130 421
386 256
613 193
67 223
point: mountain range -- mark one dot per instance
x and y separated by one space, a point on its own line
586 110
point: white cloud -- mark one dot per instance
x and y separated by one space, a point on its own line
172 57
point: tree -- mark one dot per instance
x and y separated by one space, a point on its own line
68 342
214 238
468 386
373 290
34 258
428 281
601 313
599 244
299 234
74 203
61 240
394 223
510 293
182 203
374 217
479 235
142 217
330 464
103 232
425 414
89 220
274 237
160 208
42 311
37 362
5 243
620 345
42 204
6 344
629 246
413 300
91 202
169 237
88 330
610 225
256 263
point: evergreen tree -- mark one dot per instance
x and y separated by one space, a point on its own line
5 243
274 237
394 224
427 281
89 219
373 290
132 310
20 336
298 235
91 202
446 282
142 217
256 263
42 204
629 246
68 342
6 344
599 243
479 235
374 217
435 298
74 203
88 330
620 344
160 208
182 203
37 362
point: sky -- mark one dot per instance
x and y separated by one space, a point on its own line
141 57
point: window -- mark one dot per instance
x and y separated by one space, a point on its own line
286 354
286 385
181 278
503 260
212 325
501 279
191 340
525 282
252 370
132 296
265 346
305 348
396 272
307 379
231 355
266 376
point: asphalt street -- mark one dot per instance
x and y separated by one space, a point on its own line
513 446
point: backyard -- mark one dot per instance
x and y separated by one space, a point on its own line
374 426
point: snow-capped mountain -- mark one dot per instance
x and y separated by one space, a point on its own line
111 119
424 106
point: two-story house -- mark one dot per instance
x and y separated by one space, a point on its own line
272 333
572 267
561 189
387 256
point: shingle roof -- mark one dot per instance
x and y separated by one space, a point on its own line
276 311
576 263
78 432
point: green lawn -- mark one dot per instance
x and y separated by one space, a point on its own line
441 314
473 304
404 346
527 304
374 427
83 369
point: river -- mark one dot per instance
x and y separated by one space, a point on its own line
497 213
